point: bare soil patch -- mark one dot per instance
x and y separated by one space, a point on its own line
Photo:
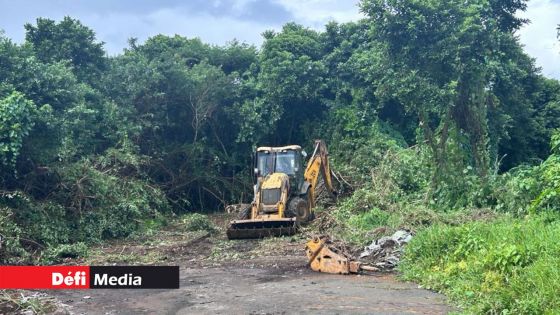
218 276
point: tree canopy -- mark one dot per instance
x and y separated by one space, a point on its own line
170 123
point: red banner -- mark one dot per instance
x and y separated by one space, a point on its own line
44 277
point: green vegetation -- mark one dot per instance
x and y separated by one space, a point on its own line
509 266
432 111
57 253
198 222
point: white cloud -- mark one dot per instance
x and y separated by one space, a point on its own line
216 30
316 13
240 5
539 37
116 28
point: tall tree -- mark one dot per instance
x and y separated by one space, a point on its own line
436 58
289 86
70 41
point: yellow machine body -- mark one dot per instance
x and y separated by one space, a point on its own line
284 191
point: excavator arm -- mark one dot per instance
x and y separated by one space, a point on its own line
317 165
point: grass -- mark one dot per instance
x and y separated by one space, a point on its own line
21 302
508 266
356 219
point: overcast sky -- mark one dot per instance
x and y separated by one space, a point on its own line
219 21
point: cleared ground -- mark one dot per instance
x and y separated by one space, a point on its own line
244 277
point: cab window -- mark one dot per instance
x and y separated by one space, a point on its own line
286 162
265 163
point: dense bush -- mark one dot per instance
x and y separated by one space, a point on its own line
90 200
531 189
509 266
11 250
549 179
355 157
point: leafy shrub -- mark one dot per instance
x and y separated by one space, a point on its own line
16 121
43 222
369 220
104 204
531 189
56 254
549 180
198 222
362 200
356 157
515 190
358 215
11 250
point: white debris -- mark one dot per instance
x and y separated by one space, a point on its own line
385 252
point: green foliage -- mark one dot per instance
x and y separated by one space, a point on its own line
16 121
43 222
507 266
67 40
439 59
549 180
287 87
369 220
94 199
107 205
57 253
178 105
515 190
11 250
531 189
422 104
198 222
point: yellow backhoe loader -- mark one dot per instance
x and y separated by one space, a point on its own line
285 193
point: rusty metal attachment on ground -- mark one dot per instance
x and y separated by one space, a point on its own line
323 258
382 254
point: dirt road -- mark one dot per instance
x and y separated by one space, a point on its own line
257 288
267 276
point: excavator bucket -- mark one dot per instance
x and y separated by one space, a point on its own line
240 229
323 258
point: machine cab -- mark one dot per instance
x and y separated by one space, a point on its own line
287 160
